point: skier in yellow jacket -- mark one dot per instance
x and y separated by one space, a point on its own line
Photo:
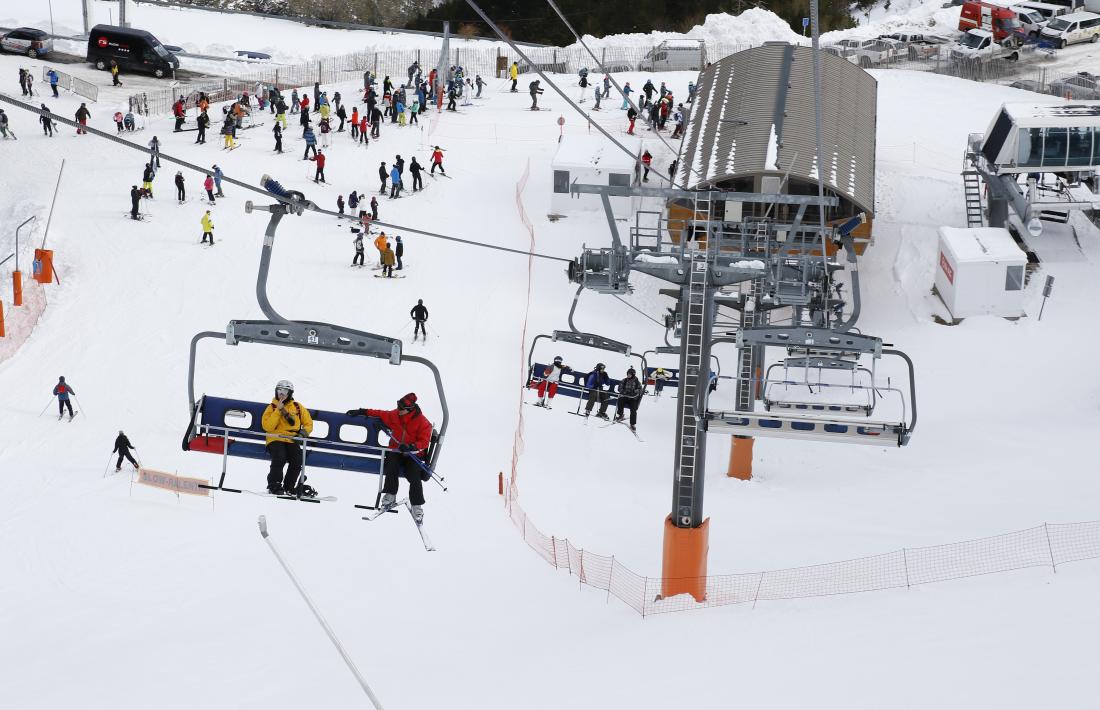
207 228
283 420
513 74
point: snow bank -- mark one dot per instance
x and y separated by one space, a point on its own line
752 27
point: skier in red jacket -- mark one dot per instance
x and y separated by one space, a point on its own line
410 434
320 158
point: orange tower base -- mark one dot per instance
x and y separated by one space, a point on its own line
741 458
684 570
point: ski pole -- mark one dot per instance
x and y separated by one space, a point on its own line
320 619
78 403
108 466
46 407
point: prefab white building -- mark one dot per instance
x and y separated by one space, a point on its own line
593 160
980 271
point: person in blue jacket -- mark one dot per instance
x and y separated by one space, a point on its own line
595 383
395 182
52 76
311 143
62 392
218 181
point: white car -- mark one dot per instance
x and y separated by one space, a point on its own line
869 52
918 46
1072 28
28 41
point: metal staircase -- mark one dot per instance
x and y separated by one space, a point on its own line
972 188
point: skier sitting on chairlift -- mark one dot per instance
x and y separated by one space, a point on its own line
548 384
283 420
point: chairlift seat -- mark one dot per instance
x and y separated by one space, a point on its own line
571 384
673 379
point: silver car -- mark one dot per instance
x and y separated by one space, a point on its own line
1081 86
28 41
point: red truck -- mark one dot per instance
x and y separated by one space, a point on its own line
999 20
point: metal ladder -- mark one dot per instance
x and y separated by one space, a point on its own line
692 377
972 189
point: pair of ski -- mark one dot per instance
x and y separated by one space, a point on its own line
620 421
71 416
287 496
379 512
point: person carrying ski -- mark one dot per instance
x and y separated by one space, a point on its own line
181 193
208 185
207 223
82 116
135 202
277 131
594 383
416 168
533 87
410 436
548 381
62 391
399 251
283 420
147 181
630 396
357 260
513 74
319 176
647 161
46 121
122 448
419 314
437 160
388 260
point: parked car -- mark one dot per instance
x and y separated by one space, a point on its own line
250 54
28 41
1031 20
978 46
1047 10
979 15
1072 28
918 46
131 49
868 52
1082 85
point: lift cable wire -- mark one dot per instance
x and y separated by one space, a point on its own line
239 183
632 306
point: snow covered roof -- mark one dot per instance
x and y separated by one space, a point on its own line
1078 114
982 244
754 114
597 152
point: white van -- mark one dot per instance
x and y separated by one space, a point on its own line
1047 10
674 56
1031 20
1072 28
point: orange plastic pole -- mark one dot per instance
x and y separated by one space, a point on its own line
1 319
684 568
500 483
17 287
740 458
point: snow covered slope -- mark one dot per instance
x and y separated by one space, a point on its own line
123 597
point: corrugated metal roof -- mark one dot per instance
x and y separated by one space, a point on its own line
771 87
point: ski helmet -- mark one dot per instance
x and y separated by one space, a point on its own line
631 371
600 366
557 359
286 385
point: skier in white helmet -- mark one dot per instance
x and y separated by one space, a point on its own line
283 420
548 381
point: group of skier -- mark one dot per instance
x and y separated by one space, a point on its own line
597 389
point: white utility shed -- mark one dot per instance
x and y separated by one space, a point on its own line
594 160
980 271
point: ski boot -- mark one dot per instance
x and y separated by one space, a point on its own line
117 469
633 429
388 499
275 489
601 415
307 491
418 513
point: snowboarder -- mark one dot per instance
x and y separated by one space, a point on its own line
395 183
647 161
416 168
122 448
533 87
630 396
207 228
388 260
513 74
277 130
419 314
319 176
437 161
283 420
548 384
357 260
410 435
594 383
62 391
399 251
135 201
208 185
181 193
46 121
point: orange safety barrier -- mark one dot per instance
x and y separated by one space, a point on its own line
43 259
684 569
1 319
740 458
17 287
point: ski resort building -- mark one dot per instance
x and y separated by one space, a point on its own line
591 159
752 130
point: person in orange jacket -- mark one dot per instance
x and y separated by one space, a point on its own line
380 245
410 435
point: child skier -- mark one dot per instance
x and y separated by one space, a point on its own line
62 391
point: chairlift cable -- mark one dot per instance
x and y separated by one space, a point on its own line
633 307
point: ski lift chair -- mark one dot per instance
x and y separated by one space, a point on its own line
571 384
